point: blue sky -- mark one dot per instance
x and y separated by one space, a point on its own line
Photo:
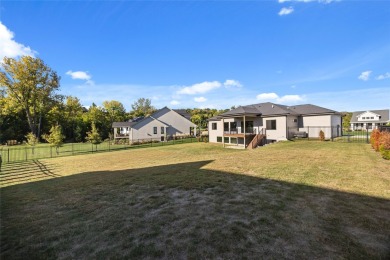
185 54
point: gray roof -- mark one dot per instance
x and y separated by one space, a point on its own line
270 109
183 113
310 109
240 111
123 124
141 119
384 113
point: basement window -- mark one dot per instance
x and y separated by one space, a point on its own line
219 139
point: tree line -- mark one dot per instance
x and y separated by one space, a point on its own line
31 109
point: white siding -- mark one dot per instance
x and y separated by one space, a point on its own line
214 133
177 123
368 116
173 123
144 130
280 133
327 123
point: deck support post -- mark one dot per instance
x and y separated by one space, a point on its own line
244 133
223 132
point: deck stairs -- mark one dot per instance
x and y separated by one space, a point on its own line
258 140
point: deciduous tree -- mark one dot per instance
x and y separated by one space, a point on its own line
142 107
55 138
30 85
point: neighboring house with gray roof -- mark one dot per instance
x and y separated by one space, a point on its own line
252 125
160 126
370 119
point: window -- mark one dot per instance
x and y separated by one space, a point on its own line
233 125
162 130
226 127
233 140
271 124
248 126
372 117
226 139
214 126
219 139
155 130
363 117
295 120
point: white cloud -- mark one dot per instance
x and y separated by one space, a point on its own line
365 75
275 97
383 76
83 75
267 96
232 83
290 98
200 88
9 47
174 102
286 11
200 99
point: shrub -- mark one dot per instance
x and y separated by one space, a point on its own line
384 145
374 139
384 140
385 153
322 135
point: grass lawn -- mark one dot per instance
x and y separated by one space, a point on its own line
300 200
19 153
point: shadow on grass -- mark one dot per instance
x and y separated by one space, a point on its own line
187 211
20 172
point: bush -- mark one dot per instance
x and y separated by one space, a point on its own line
384 145
374 139
322 135
385 153
384 140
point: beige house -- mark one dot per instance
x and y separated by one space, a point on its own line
254 125
162 125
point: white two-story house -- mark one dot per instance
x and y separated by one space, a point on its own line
368 120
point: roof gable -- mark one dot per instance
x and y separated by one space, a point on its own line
384 114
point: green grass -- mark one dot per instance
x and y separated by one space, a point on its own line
286 200
19 153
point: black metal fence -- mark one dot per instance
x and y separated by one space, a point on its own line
336 134
24 153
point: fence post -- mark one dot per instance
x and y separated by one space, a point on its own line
308 133
25 151
8 155
72 149
92 147
109 145
51 152
367 135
